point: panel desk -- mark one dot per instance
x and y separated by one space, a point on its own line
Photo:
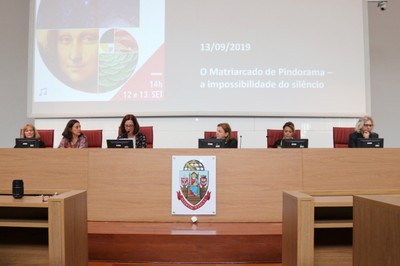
376 230
36 232
135 185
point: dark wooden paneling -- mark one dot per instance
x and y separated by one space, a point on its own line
185 243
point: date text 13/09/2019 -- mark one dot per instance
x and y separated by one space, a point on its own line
224 47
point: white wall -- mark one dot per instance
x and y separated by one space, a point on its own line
183 132
14 28
384 33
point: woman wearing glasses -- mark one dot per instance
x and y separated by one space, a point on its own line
129 129
363 130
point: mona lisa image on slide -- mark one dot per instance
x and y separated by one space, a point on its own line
92 46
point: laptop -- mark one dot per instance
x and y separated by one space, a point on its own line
294 143
120 143
211 143
370 143
26 143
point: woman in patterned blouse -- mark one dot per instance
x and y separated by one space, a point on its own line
72 136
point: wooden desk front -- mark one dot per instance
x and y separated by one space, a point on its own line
376 237
34 232
135 185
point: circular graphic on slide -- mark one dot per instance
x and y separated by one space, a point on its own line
78 52
117 60
82 61
72 56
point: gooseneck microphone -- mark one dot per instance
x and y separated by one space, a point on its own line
240 142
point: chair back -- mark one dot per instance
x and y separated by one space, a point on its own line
213 134
341 136
275 134
94 137
148 132
47 136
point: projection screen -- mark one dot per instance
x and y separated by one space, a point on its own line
100 58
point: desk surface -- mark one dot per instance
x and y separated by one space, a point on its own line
384 199
26 201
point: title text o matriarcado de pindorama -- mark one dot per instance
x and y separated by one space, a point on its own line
281 72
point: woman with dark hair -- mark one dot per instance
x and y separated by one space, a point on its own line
363 130
72 136
288 133
224 131
129 129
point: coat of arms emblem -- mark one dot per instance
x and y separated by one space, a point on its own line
194 184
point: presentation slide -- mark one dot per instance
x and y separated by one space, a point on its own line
101 58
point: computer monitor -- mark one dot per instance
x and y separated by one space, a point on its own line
120 143
370 143
294 143
211 143
26 143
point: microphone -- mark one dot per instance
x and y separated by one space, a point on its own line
240 142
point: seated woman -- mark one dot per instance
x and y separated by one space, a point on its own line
224 132
363 130
29 132
129 129
72 136
288 133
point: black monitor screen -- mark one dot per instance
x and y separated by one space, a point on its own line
120 143
370 143
294 143
26 143
211 143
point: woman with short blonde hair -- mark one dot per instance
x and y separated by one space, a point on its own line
363 130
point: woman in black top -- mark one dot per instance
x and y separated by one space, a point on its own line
224 132
363 130
129 129
288 133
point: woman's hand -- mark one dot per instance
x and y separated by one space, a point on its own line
366 134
